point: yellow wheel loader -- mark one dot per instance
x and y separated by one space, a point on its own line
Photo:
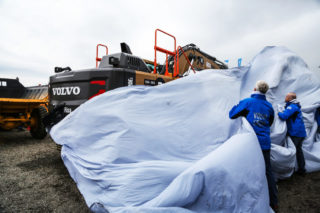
22 107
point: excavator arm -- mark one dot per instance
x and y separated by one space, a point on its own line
197 58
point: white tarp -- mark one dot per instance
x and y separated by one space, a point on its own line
173 147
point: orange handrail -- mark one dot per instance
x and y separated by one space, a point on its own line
97 53
179 47
167 52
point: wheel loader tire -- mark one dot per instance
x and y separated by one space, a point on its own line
38 131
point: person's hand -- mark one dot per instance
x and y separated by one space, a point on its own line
280 108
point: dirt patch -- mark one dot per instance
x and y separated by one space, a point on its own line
48 161
300 193
33 178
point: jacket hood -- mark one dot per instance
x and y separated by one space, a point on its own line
294 101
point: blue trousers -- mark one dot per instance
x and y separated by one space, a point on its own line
273 191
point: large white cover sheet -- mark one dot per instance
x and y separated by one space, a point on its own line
173 147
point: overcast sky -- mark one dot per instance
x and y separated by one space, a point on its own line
36 36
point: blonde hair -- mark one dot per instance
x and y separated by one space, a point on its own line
262 86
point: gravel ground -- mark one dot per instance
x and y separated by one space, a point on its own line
34 179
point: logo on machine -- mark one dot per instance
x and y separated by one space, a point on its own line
67 110
66 91
130 81
149 82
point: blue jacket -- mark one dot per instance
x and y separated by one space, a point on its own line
318 116
293 116
259 113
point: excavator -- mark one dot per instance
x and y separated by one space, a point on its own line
70 88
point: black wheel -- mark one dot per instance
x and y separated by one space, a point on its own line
37 130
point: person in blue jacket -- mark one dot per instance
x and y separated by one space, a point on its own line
260 114
318 118
296 129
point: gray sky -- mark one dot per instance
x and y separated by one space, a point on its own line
36 36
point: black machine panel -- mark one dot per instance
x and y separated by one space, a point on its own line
11 88
75 87
124 60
